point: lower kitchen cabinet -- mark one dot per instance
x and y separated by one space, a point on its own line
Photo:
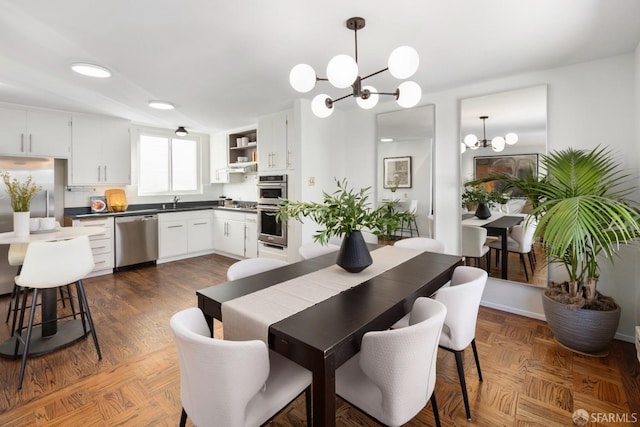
234 232
184 234
101 244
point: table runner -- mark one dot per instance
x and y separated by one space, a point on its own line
249 317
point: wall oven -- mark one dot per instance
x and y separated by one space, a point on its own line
271 188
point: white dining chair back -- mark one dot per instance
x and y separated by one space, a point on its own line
473 245
425 244
250 266
231 383
520 241
394 375
462 299
315 249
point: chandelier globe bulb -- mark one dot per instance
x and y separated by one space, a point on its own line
319 106
302 78
342 71
371 99
403 62
409 94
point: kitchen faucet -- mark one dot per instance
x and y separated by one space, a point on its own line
175 201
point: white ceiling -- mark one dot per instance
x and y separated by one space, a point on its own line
224 63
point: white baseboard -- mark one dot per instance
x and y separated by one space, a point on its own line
513 310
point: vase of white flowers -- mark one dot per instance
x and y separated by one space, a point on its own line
20 194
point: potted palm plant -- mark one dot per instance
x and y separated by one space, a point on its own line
20 194
584 215
345 213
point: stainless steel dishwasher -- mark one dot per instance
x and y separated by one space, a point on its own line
136 239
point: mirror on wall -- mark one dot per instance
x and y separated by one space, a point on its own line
489 118
404 161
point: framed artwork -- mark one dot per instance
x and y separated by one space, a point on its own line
397 172
518 165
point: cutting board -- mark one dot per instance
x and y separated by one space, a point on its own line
116 200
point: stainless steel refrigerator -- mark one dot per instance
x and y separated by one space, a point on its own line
42 171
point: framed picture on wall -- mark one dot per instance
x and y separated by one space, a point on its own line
518 165
397 172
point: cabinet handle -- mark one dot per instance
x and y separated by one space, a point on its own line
105 173
100 262
30 142
99 175
174 226
199 223
22 142
288 158
99 247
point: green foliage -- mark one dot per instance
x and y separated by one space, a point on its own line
582 209
343 211
20 193
478 194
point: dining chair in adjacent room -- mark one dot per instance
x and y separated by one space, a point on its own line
473 244
251 266
314 249
425 244
520 241
462 299
54 264
394 375
409 225
232 383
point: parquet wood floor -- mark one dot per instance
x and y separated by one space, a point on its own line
528 379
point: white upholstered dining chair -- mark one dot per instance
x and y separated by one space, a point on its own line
473 244
250 266
520 241
421 243
394 375
462 299
314 249
232 383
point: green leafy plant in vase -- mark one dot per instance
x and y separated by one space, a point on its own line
482 199
20 195
345 213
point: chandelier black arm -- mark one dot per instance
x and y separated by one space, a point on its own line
374 74
341 98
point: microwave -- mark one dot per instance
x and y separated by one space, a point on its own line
271 188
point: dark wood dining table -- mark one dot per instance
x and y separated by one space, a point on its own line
500 227
325 335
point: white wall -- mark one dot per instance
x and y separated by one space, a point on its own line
637 159
588 104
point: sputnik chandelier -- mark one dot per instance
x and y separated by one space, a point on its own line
497 144
342 72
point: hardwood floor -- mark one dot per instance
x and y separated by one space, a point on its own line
528 379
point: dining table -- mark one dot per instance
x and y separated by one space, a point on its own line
51 334
498 224
328 329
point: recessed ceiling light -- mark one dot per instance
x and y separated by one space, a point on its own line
386 139
91 70
161 105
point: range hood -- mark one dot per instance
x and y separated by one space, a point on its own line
242 167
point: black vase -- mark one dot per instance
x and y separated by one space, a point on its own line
354 255
483 211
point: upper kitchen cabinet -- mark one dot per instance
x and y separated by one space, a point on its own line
34 133
275 134
100 151
218 152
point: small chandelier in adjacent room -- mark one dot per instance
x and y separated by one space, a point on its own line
497 144
181 131
342 72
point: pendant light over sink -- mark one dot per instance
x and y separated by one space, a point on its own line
342 72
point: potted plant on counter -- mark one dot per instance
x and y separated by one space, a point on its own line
584 215
20 194
479 197
345 213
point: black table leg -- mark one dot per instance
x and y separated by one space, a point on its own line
49 312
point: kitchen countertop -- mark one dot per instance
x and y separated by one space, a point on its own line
76 213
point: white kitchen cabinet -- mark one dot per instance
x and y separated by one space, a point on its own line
184 234
228 232
218 154
36 133
101 244
200 233
275 135
100 151
250 236
172 238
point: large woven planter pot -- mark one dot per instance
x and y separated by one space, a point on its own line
583 331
